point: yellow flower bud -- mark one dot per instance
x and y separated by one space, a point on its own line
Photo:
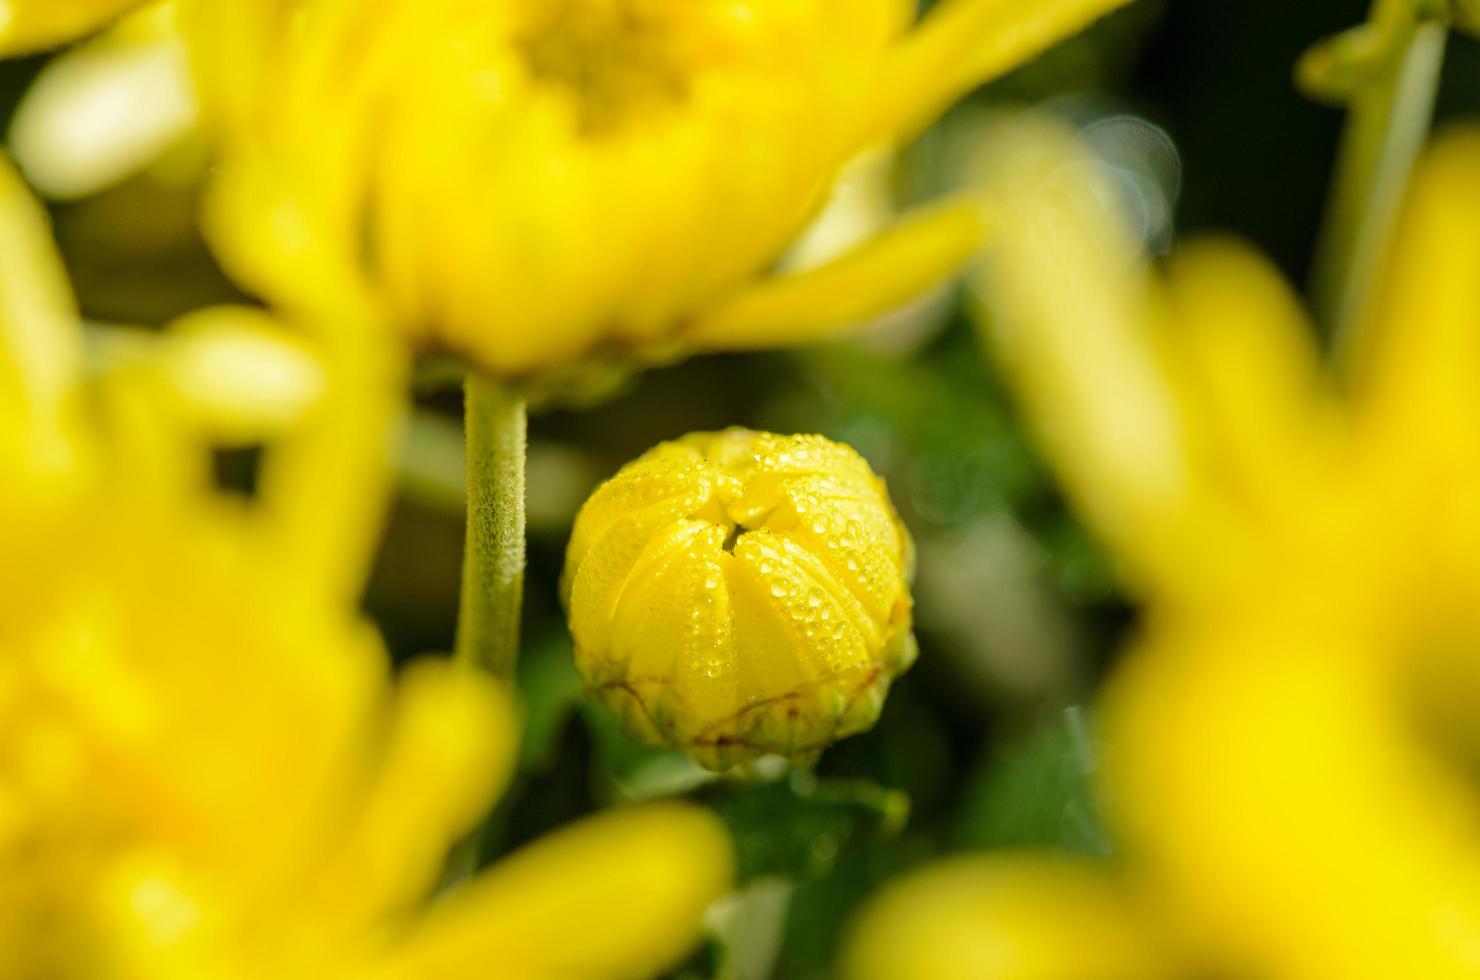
741 593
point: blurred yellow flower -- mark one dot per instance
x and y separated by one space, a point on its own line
32 25
205 767
533 184
741 593
1291 745
1019 917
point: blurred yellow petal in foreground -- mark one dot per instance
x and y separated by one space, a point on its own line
740 593
107 108
1310 817
1179 417
240 374
532 184
1021 917
620 895
206 767
32 25
1290 745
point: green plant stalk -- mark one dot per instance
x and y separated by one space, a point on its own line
497 442
493 553
1389 119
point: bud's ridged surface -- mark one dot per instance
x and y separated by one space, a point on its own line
741 593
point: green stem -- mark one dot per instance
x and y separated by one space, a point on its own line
1389 120
493 554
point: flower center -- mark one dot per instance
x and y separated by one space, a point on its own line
619 59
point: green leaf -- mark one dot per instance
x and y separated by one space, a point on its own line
549 693
1037 792
749 926
801 826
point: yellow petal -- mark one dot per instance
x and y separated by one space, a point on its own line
40 336
640 540
862 203
102 111
1026 917
451 746
671 479
231 46
902 262
1418 374
238 373
31 25
680 635
275 245
324 487
620 895
279 232
1252 373
1070 317
1270 774
963 43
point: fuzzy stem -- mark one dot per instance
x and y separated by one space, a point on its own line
493 554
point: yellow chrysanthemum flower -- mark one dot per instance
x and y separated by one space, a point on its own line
533 184
205 769
1290 749
741 593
